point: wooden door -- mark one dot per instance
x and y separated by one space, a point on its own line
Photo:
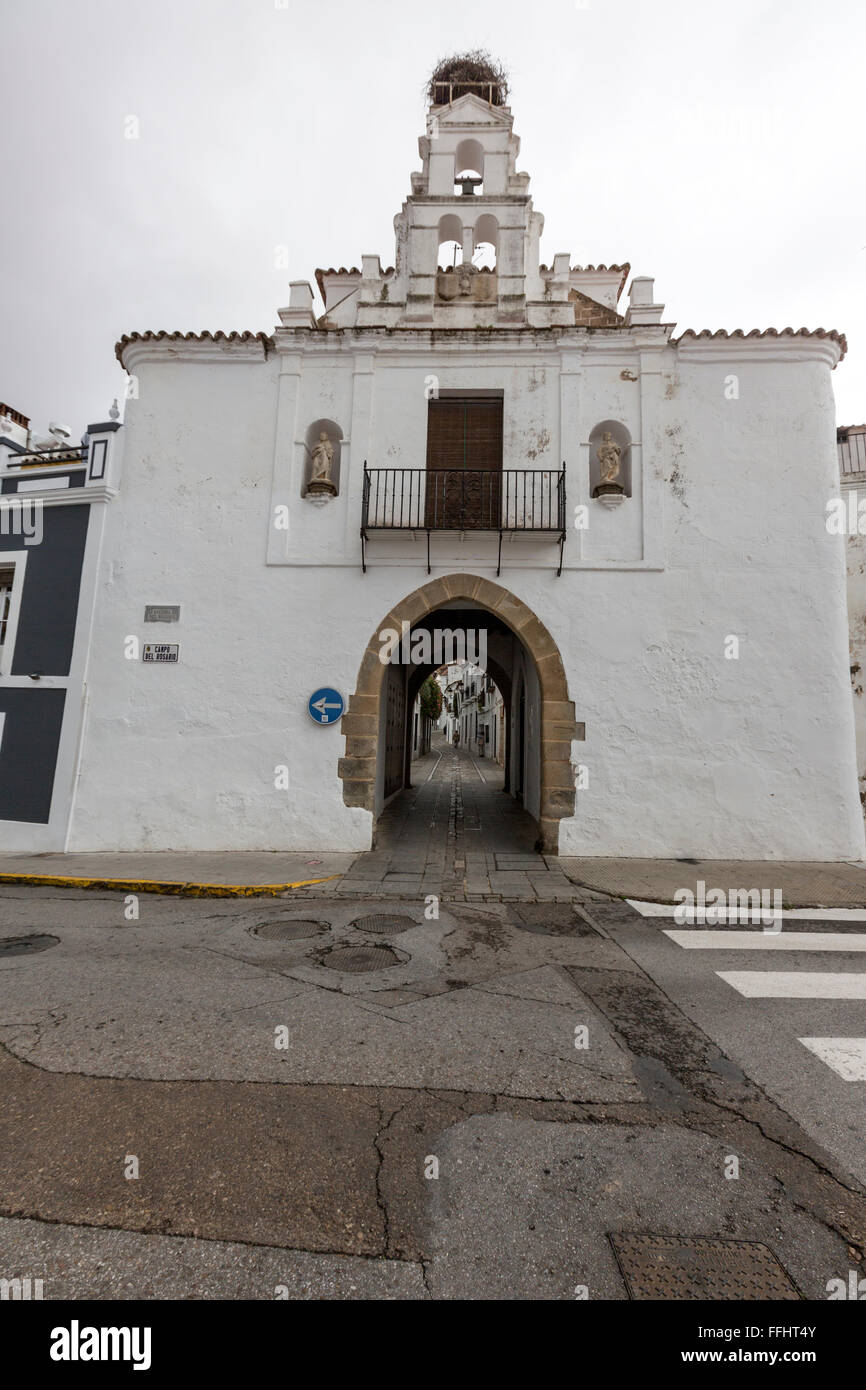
520 769
395 728
464 464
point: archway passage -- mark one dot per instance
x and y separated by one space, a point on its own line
517 643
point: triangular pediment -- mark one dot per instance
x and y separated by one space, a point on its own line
472 110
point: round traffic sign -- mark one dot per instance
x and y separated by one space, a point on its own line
325 705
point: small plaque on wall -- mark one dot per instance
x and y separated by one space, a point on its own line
160 651
161 612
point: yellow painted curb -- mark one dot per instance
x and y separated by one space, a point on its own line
168 887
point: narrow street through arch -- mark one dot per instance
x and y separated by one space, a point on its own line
456 833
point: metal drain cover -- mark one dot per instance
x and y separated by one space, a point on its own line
26 945
289 929
357 959
672 1267
383 924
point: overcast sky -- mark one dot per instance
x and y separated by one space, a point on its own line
718 148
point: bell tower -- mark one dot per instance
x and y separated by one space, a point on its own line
467 236
468 198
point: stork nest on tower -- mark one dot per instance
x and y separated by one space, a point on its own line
475 72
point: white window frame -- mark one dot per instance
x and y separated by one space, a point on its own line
17 559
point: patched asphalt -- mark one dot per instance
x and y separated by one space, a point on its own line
468 1149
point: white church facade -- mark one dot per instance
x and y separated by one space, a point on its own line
634 519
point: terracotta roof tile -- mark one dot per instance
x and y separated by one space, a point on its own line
204 337
767 333
623 272
320 274
626 267
622 269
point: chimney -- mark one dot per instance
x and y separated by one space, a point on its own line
641 308
14 427
299 313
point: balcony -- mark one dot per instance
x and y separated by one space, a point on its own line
47 458
510 501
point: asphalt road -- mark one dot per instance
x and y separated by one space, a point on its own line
762 1032
504 1097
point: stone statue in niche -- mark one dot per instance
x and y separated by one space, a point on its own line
609 455
465 278
321 482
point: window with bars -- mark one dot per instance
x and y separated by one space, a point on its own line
7 577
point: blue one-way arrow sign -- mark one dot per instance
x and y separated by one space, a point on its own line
325 705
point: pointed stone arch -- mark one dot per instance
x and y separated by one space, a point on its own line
360 724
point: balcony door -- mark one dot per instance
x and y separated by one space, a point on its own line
464 464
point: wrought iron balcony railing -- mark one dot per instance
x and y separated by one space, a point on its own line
507 501
47 458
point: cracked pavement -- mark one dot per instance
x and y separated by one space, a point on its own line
430 1129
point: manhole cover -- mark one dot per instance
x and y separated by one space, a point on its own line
26 945
357 959
669 1267
383 924
289 929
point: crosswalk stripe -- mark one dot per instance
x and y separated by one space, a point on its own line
796 984
846 1056
809 914
758 940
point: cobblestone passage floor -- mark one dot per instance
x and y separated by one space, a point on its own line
457 834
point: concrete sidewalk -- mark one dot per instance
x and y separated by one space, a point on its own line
510 878
188 873
808 884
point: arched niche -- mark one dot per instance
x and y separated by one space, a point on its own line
335 434
621 436
486 239
469 160
449 241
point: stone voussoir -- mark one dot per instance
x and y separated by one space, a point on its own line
367 725
359 793
357 769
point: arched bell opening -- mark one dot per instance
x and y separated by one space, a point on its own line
486 241
449 242
469 168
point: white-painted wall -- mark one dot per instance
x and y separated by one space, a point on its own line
855 545
688 753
